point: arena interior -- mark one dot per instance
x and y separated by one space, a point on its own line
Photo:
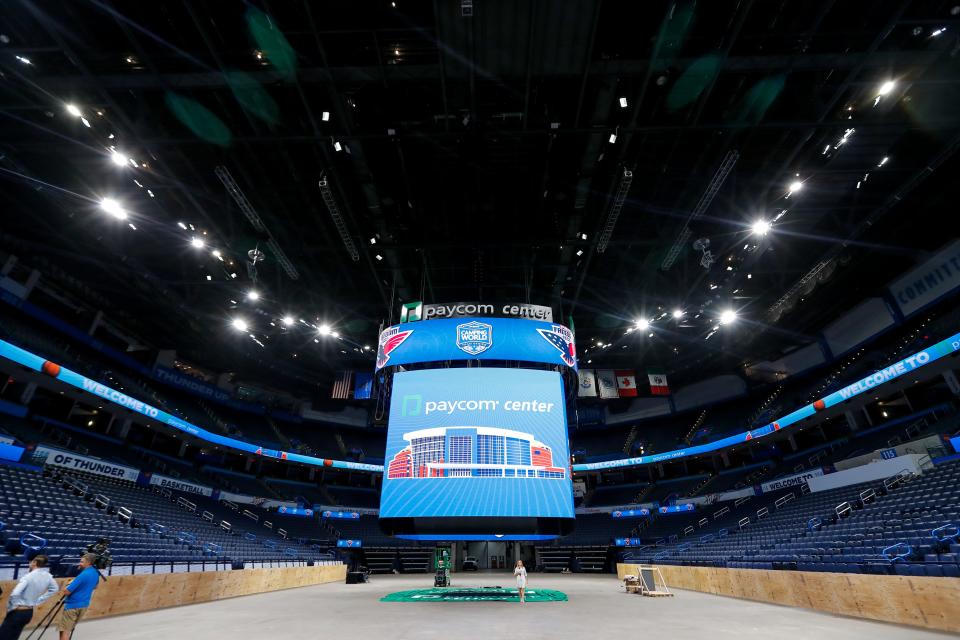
476 318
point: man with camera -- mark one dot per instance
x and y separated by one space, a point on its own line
31 591
79 592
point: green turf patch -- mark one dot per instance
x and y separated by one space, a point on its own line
475 594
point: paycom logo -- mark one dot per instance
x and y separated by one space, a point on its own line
411 405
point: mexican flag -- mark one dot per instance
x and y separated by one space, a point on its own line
658 381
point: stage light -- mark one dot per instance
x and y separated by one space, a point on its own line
886 87
133 163
119 159
113 207
324 329
579 252
728 316
795 186
373 241
612 139
182 226
641 324
366 347
239 324
338 146
325 116
885 160
23 59
74 110
623 102
335 334
196 243
253 295
287 321
209 278
378 257
677 313
761 227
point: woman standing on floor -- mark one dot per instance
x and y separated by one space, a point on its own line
521 572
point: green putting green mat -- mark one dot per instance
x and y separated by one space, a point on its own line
474 594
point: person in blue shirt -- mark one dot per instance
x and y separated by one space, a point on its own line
79 592
31 591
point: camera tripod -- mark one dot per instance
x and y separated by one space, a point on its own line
48 619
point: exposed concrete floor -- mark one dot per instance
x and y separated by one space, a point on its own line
596 608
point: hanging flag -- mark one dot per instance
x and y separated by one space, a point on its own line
607 381
627 383
588 383
341 387
363 387
658 381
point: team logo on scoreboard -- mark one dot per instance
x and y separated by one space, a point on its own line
390 339
474 337
561 338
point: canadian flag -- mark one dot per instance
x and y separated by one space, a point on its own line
627 384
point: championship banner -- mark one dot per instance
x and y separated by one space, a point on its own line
587 388
174 484
627 384
67 460
658 381
607 381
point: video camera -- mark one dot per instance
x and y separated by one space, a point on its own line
101 549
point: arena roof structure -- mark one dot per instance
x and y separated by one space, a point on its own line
262 185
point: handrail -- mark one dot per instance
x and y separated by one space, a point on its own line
903 551
723 533
843 509
33 541
186 504
100 499
867 495
226 526
206 515
721 512
783 500
743 522
124 514
703 522
166 493
740 501
805 488
268 524
951 536
251 515
74 484
282 533
186 536
762 511
232 505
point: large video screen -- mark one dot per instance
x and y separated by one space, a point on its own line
479 451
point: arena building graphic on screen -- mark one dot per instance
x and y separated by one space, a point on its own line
463 452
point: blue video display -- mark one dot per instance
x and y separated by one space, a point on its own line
477 443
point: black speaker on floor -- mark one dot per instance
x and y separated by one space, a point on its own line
356 577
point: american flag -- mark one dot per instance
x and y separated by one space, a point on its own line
341 387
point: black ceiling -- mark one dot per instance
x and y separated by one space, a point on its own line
478 151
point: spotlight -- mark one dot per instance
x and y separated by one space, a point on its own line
325 116
253 295
795 186
613 138
324 329
239 324
287 321
642 324
335 334
119 159
728 316
886 87
74 110
761 227
623 102
378 257
196 243
678 313
113 207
